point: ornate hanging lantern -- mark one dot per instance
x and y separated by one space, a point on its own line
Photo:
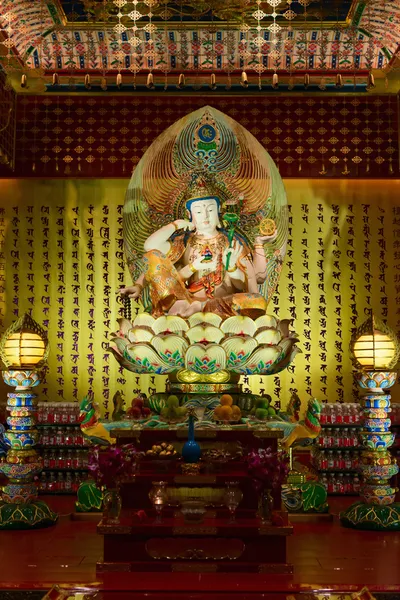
24 344
375 346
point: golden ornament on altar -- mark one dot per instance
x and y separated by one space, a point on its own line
267 227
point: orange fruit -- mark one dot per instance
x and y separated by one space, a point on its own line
236 412
225 413
217 412
226 400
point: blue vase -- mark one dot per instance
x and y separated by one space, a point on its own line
191 450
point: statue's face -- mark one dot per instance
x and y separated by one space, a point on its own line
204 215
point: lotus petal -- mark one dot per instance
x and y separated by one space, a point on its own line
286 356
261 362
123 362
124 326
144 320
283 327
146 360
171 348
200 317
205 360
266 321
204 334
239 326
120 343
238 349
140 334
169 324
268 336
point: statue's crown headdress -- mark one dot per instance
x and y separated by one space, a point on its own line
200 188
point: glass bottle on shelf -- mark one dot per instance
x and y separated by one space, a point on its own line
60 461
331 462
50 413
356 484
348 463
346 484
56 413
324 481
323 460
340 484
76 482
64 413
68 460
69 436
43 482
60 482
45 436
68 482
60 436
46 459
52 436
72 414
51 485
52 459
76 460
331 484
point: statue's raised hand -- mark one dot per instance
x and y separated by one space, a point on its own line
199 265
234 255
132 291
183 224
263 239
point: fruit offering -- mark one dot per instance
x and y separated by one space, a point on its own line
172 411
262 410
226 410
138 410
163 450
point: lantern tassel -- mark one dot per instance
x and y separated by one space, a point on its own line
150 81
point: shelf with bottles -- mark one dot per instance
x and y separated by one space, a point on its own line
348 414
341 484
58 413
63 425
338 438
56 482
62 459
61 436
335 460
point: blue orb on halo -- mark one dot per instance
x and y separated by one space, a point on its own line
207 133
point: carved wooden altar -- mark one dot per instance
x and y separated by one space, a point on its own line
214 545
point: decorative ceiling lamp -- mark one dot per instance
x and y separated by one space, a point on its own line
259 40
375 352
274 54
150 53
244 53
135 41
23 350
119 30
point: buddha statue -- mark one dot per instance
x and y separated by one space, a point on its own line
193 265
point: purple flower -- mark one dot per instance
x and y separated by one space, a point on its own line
112 465
268 469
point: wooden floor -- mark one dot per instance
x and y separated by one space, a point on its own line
324 556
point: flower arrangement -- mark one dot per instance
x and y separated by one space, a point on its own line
110 466
268 469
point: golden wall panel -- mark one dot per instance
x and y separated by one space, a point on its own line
61 258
